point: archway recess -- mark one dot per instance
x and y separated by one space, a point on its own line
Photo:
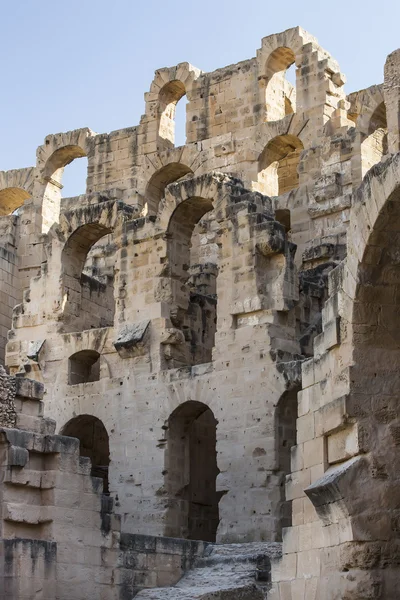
191 473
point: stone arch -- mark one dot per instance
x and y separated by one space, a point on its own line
375 145
191 473
363 105
15 188
94 444
57 152
11 199
170 94
280 94
168 87
277 53
213 187
155 188
87 302
278 165
189 215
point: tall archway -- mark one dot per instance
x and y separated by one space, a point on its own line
191 472
88 296
93 443
53 176
278 165
280 93
193 279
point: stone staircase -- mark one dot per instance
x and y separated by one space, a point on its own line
225 572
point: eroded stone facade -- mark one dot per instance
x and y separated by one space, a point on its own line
210 321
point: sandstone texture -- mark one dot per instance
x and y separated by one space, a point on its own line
201 352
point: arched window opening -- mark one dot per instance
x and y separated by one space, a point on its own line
280 93
74 178
11 200
278 165
83 367
54 176
375 145
193 256
158 182
169 97
94 444
191 472
88 261
285 431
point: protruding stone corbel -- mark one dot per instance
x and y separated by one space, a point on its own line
131 340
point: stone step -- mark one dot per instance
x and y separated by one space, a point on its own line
225 572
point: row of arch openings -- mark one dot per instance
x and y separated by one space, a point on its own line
191 470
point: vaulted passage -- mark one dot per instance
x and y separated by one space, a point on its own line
191 473
94 444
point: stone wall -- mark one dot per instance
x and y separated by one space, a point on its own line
59 536
208 284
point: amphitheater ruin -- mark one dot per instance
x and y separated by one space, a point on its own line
199 355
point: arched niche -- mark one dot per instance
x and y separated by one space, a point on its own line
93 442
278 165
191 472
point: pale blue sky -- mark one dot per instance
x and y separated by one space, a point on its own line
77 63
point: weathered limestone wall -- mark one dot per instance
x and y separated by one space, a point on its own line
59 536
189 284
343 542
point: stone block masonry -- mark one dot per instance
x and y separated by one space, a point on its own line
200 351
